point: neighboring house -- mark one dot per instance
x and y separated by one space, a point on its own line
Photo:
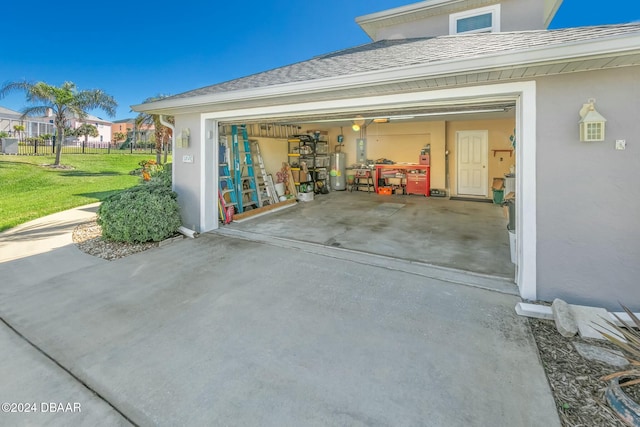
469 74
34 126
142 134
122 126
104 131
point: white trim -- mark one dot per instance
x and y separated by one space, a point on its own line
495 19
526 199
403 10
524 94
208 175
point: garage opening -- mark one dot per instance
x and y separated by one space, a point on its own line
432 185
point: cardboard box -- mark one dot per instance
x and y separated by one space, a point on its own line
498 184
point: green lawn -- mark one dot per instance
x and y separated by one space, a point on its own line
31 190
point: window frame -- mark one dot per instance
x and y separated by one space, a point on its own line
495 20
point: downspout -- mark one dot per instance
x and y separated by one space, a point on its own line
163 122
182 229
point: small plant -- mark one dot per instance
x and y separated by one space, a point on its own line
145 213
631 346
162 175
148 169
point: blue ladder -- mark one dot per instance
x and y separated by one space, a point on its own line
225 187
245 184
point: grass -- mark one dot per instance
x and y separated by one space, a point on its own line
30 189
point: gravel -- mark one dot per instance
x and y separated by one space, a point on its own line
575 382
88 237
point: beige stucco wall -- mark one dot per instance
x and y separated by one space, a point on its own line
588 193
499 133
516 15
187 180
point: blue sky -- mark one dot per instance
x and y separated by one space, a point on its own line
134 50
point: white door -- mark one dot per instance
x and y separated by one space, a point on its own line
472 149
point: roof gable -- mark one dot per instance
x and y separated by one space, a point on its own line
374 22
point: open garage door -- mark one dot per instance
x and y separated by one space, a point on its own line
444 229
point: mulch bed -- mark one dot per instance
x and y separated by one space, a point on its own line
575 381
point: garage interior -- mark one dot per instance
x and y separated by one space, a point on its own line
430 184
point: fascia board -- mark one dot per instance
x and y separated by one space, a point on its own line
403 10
371 23
564 53
550 13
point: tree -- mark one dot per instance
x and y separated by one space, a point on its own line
86 130
119 136
18 129
65 101
162 133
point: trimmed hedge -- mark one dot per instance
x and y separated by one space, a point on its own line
145 213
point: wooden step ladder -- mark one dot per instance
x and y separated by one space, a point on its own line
226 189
266 189
244 174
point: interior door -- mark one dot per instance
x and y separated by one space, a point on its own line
472 149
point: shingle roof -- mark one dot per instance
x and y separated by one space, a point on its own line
5 112
389 54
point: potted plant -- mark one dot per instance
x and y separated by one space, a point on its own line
627 337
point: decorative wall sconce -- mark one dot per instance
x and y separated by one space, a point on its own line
591 123
184 138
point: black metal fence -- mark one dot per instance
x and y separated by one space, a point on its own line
47 148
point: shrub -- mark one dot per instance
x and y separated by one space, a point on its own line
145 213
162 176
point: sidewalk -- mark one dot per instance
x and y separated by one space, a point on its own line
30 254
43 248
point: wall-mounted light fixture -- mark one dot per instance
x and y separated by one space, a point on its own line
591 123
184 138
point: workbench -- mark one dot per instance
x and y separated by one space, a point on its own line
418 177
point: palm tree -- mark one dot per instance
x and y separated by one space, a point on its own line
162 133
65 101
18 129
86 130
119 136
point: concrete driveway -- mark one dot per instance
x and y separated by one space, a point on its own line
224 331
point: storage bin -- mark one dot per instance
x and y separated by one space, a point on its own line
385 191
498 196
322 161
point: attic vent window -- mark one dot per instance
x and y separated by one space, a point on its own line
481 20
474 23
